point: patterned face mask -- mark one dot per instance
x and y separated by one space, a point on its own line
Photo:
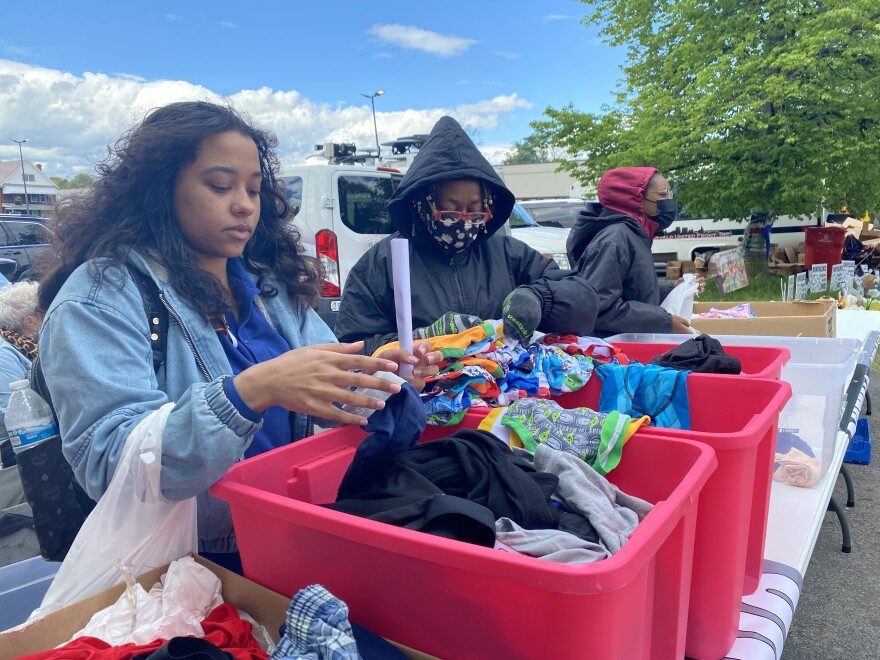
454 239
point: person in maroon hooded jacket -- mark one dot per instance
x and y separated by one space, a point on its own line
611 245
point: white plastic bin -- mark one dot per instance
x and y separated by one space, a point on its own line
818 372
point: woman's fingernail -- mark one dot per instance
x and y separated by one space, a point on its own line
390 366
417 373
379 404
395 388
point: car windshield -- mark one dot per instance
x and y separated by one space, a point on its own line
520 218
564 215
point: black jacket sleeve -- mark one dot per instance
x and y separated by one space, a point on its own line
366 310
605 265
666 287
569 302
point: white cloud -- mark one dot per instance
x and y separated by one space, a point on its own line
409 36
559 17
495 152
172 17
70 120
227 24
506 54
383 56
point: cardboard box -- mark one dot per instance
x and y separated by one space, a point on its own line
673 270
807 318
868 234
265 606
784 270
687 267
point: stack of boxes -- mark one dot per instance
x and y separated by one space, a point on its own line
787 261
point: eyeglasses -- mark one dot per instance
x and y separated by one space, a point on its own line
449 218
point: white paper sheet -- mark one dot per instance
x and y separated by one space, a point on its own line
402 297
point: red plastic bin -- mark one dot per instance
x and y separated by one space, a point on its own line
824 246
757 361
738 418
454 599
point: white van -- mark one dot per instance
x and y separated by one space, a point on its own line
688 237
341 212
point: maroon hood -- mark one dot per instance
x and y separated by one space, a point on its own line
623 189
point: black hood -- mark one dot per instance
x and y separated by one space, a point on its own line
590 223
448 154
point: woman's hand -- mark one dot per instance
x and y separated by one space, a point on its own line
701 283
680 326
423 360
311 379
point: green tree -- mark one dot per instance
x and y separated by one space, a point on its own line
81 180
528 150
772 105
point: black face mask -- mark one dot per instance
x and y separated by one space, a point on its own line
667 213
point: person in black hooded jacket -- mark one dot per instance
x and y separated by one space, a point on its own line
611 245
450 205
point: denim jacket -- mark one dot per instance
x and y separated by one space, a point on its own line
97 360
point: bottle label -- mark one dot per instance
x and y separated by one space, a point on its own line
23 437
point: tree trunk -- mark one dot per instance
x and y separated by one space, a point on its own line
756 242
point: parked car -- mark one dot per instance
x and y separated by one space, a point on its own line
341 212
22 239
549 241
560 213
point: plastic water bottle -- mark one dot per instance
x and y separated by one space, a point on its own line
29 420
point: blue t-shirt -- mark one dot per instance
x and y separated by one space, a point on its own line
248 341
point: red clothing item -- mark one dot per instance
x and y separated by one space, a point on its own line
223 628
623 189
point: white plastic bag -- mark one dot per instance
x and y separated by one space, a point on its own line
680 301
133 527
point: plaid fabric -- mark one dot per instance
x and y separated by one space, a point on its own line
317 628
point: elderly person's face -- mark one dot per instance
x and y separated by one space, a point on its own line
31 324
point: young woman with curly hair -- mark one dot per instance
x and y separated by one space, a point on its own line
189 198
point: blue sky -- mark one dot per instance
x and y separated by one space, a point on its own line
297 68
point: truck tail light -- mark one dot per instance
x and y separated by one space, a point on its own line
328 255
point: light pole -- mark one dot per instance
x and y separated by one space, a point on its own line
27 204
372 98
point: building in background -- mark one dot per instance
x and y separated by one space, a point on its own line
541 181
41 192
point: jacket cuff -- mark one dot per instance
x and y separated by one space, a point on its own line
545 293
219 404
235 399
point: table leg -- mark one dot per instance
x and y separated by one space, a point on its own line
850 489
844 524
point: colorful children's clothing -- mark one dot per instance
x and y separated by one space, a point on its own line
481 367
646 389
596 438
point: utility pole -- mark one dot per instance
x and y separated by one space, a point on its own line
27 204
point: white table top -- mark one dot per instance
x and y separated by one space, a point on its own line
796 514
794 521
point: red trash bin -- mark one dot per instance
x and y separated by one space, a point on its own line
824 246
